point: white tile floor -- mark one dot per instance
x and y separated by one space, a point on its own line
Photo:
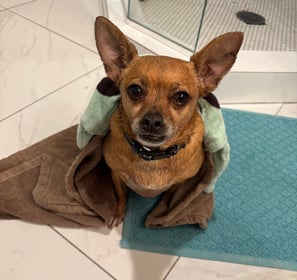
48 69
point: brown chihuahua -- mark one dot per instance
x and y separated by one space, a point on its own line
156 134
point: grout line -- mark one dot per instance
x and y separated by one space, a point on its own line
279 109
49 94
3 9
50 30
171 268
15 6
82 252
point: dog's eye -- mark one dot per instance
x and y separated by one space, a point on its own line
135 92
180 98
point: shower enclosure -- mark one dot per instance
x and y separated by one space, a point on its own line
266 69
192 23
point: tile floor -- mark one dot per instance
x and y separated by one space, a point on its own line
48 70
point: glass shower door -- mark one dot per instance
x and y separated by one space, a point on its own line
186 22
177 21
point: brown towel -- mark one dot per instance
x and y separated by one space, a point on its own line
53 182
187 204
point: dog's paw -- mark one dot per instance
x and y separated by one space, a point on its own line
116 221
118 216
203 224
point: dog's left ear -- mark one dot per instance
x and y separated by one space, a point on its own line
215 60
114 48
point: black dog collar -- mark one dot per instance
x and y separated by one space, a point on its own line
148 154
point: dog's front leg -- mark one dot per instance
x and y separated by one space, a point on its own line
121 192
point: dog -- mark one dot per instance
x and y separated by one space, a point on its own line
156 134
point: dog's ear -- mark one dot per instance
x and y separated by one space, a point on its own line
114 48
214 61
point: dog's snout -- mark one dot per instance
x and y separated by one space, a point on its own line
152 122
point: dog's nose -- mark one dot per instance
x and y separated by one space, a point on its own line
152 122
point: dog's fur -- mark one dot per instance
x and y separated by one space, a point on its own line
158 108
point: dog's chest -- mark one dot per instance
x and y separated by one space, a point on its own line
150 178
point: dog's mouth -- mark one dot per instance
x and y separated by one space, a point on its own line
152 140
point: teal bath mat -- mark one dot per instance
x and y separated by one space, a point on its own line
255 217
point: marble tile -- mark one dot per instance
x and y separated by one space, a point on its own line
58 111
12 3
288 110
271 109
76 24
37 252
34 62
104 248
192 269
